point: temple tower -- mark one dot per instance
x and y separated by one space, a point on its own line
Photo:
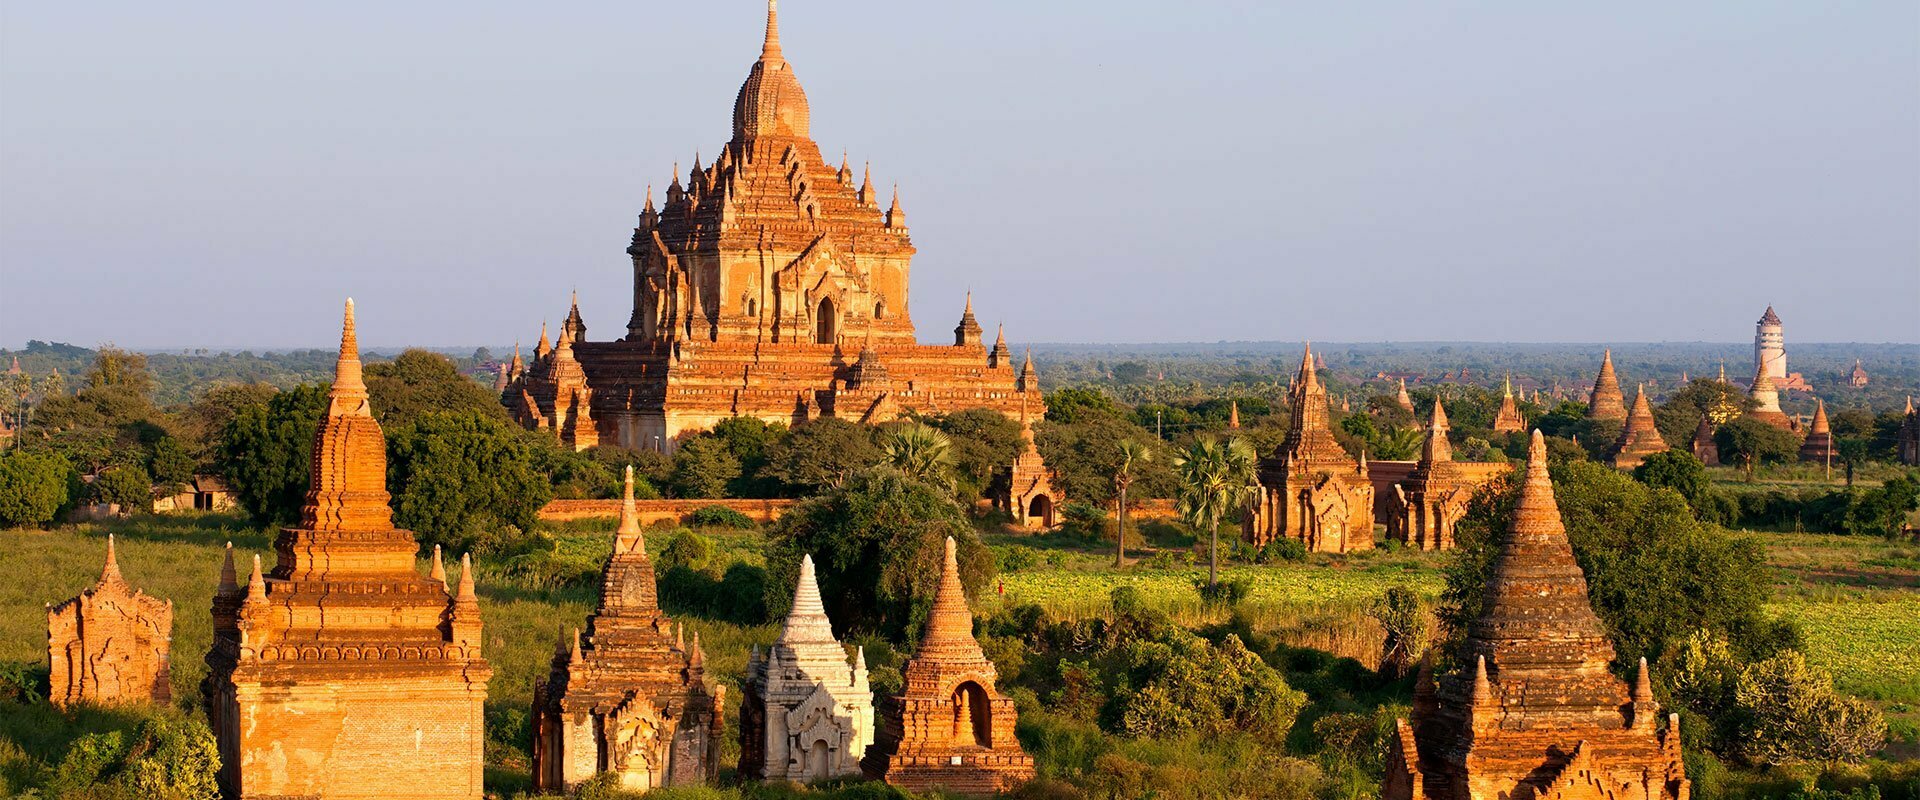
110 644
949 727
1770 346
344 672
1533 710
1768 399
1508 420
1427 504
1907 441
1703 445
631 697
1640 438
1606 402
808 712
1031 497
1857 378
1311 490
1818 446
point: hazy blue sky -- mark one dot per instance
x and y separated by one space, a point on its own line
223 173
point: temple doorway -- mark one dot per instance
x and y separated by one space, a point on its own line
826 322
1040 511
818 760
972 715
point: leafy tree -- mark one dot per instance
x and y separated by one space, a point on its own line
171 465
205 419
1749 441
582 476
879 542
128 487
419 382
464 480
686 549
1852 452
747 439
821 454
1069 405
1214 481
1654 572
1132 456
1680 471
1679 415
920 452
1791 713
984 442
266 453
704 467
1404 618
34 487
1081 455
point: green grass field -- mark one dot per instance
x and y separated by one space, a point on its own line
1857 600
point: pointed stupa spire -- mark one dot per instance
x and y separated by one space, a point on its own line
1606 402
1640 438
629 536
466 593
1402 399
229 577
1482 687
895 217
866 185
950 624
439 569
256 583
1437 448
1233 415
648 208
1643 684
1507 385
540 350
770 46
349 393
1820 424
110 571
807 622
1536 614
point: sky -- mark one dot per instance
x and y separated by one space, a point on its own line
223 174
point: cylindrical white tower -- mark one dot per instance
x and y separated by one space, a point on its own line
1770 346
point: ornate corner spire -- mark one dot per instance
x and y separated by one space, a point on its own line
229 577
439 570
466 594
1482 687
256 583
110 571
629 538
1643 685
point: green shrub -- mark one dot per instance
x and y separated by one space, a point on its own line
720 517
686 549
1281 549
33 487
1017 557
128 486
1228 592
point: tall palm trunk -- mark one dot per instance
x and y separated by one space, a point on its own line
1213 555
1120 534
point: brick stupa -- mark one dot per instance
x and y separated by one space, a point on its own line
949 727
109 645
1640 438
1029 494
1703 445
1427 504
1311 490
1509 419
750 287
630 698
1534 712
808 711
1818 446
1606 402
344 672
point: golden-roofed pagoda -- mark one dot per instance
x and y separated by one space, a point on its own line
1537 714
750 283
344 672
1640 438
1606 402
1311 490
949 727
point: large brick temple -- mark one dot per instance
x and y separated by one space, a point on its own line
769 284
344 672
1533 712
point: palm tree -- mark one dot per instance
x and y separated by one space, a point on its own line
1132 455
1214 479
922 453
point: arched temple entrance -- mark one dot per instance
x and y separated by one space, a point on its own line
972 715
1040 511
826 322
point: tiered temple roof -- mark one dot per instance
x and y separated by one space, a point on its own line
1508 420
949 727
110 644
1537 714
1312 490
344 653
1425 506
630 697
1640 438
1606 401
808 712
747 286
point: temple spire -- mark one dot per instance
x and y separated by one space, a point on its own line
630 537
110 571
349 394
770 48
1438 448
950 624
229 578
439 570
807 621
466 594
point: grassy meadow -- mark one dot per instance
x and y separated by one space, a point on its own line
1857 601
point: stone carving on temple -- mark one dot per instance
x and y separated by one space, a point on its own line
1508 419
807 713
1639 438
629 697
1310 489
343 671
1532 710
1606 401
949 727
1424 507
752 284
110 644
